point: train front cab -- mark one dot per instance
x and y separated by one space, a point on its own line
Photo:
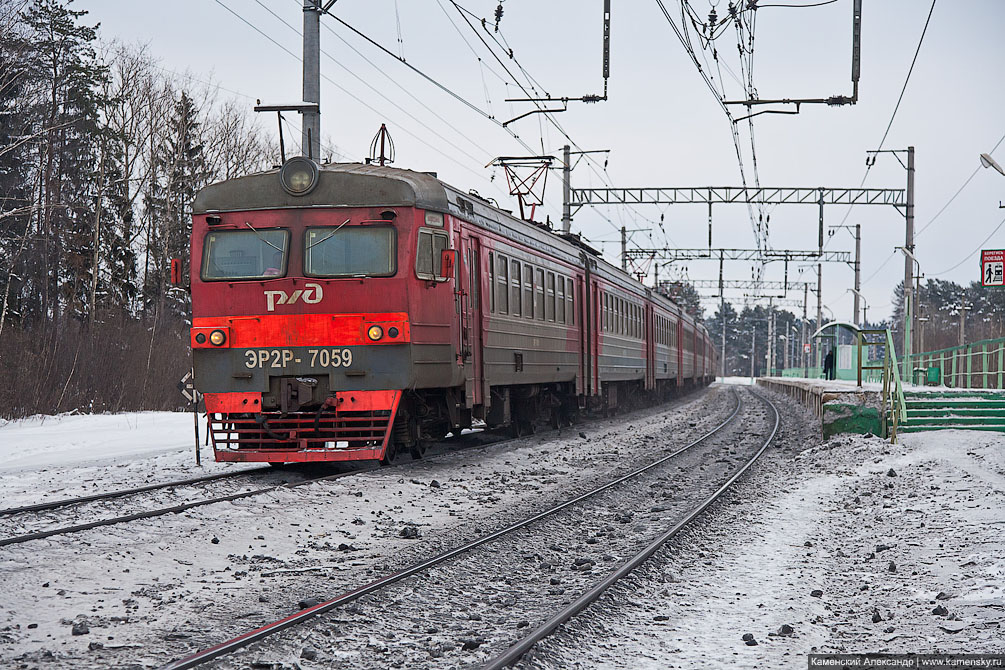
317 319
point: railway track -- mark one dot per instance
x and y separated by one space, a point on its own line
109 495
381 585
161 511
516 651
452 444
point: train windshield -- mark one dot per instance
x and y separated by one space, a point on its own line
245 254
351 251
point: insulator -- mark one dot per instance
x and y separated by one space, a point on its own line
712 18
499 15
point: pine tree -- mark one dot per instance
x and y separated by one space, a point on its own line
19 84
180 171
68 153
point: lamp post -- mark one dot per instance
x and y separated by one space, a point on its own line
865 307
989 162
909 306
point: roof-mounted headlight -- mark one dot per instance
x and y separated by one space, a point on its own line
299 175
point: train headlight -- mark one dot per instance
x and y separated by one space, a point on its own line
299 175
375 333
217 338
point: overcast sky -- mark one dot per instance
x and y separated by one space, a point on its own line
661 123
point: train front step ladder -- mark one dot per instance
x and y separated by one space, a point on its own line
968 410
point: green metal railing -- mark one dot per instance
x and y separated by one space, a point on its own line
893 390
978 365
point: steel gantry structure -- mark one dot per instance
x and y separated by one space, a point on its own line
760 255
747 285
902 199
766 195
671 254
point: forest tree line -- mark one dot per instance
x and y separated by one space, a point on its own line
101 154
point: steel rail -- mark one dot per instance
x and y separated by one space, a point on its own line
265 631
41 507
38 535
515 652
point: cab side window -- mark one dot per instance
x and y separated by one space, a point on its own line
427 255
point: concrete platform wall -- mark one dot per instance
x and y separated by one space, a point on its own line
840 408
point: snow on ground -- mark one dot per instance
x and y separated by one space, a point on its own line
50 457
156 588
92 438
744 381
820 537
852 546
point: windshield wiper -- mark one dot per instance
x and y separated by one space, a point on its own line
259 236
338 228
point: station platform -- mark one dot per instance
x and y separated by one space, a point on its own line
844 407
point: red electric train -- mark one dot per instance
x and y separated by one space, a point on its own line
348 312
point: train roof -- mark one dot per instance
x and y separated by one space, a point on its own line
339 185
362 185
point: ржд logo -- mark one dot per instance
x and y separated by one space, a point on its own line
310 294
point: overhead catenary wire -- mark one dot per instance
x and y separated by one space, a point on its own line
344 90
970 254
681 33
477 159
815 4
528 93
900 99
960 190
467 103
937 215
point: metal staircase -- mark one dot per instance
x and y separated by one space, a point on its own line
973 410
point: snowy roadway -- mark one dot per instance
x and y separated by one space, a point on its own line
811 518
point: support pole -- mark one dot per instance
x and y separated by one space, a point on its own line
858 270
806 357
820 307
566 190
963 321
909 262
624 249
722 310
311 142
753 349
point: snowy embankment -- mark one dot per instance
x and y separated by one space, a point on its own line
48 457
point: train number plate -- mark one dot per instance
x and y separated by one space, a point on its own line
279 359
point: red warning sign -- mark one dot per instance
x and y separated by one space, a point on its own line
993 267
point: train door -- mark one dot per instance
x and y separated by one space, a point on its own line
582 377
650 347
471 322
680 351
595 316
